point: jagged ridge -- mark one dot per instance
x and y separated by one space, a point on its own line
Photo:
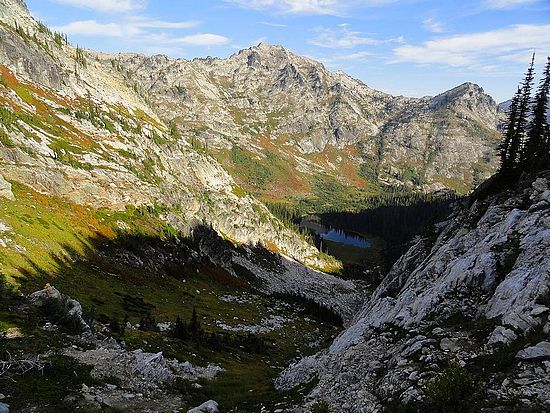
272 101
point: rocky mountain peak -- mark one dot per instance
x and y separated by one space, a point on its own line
264 47
268 91
465 90
469 100
278 56
15 4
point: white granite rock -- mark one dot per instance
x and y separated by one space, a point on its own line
207 407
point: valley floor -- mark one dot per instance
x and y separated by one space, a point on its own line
130 282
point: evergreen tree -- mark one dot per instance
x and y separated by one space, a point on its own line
516 131
180 329
114 325
195 325
148 323
519 140
537 146
505 146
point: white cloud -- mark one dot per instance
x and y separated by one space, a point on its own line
326 7
203 39
132 26
106 6
94 28
342 38
507 4
476 49
162 24
353 56
524 56
335 61
148 35
433 25
312 6
273 24
291 6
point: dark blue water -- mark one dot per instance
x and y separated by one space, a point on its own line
337 235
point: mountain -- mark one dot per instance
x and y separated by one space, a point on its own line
72 129
505 106
113 222
459 323
284 125
140 272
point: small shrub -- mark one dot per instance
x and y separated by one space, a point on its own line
148 323
5 139
237 190
320 406
115 326
455 390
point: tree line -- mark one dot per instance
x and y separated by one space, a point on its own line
191 332
526 143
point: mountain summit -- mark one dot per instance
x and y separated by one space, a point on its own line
288 112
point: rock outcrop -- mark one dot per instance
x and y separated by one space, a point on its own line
142 378
476 293
5 189
69 307
72 127
271 101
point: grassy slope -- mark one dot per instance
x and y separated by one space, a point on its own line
63 241
274 169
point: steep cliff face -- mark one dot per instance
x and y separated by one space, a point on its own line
72 127
283 107
476 294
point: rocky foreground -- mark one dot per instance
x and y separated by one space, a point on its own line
461 319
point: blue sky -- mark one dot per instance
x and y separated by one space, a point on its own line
404 47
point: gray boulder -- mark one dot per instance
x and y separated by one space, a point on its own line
502 335
73 307
153 366
207 407
4 408
535 353
39 298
